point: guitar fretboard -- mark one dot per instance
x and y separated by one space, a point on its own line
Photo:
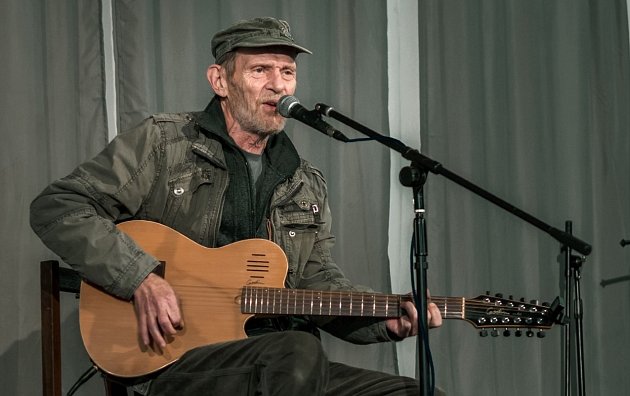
278 301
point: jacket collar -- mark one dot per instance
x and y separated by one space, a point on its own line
280 151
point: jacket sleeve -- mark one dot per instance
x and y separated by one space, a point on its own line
75 216
322 273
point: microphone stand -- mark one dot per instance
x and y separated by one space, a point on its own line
426 164
573 295
414 176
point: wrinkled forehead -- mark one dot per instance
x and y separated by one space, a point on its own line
280 57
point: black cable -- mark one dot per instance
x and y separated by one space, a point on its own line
89 373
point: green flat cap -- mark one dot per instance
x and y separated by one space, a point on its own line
257 32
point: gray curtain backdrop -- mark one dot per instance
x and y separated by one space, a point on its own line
528 99
52 113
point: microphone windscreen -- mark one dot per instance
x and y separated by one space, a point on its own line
284 105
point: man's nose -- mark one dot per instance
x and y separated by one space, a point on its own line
275 80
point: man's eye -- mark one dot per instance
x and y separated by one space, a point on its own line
288 73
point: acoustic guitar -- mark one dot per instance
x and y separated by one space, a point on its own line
221 288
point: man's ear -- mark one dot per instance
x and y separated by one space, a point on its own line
217 79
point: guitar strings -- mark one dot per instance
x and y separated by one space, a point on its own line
351 297
279 301
346 303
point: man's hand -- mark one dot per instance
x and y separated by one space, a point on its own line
407 325
157 309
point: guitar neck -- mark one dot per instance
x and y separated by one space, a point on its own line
280 301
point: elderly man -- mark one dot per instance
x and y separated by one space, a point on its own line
218 176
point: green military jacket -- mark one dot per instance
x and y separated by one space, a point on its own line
170 169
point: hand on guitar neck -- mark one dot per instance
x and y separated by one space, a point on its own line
407 325
158 311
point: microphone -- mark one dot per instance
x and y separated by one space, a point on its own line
289 107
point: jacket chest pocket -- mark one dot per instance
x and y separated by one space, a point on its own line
187 196
300 215
299 222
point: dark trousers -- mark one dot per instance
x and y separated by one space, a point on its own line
290 363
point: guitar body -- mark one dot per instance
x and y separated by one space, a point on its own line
208 282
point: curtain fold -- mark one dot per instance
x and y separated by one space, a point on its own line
404 119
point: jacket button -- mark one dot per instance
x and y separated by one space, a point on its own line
291 234
178 191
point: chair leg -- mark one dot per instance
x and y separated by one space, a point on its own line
51 352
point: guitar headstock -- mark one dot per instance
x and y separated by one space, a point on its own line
499 314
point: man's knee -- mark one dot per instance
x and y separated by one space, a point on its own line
299 360
301 342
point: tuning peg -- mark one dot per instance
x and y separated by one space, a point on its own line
534 302
506 333
511 297
500 295
483 333
487 292
541 334
518 333
546 304
529 333
494 333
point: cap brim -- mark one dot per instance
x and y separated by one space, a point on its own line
271 43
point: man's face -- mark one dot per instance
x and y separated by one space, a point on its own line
261 77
